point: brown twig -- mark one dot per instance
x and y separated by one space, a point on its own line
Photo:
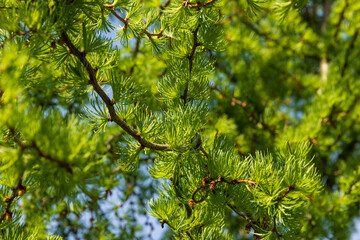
134 54
197 5
341 18
33 145
212 184
160 34
286 192
9 200
162 7
278 235
191 59
126 23
62 164
106 99
243 215
123 20
18 33
165 221
1 94
6 7
253 116
203 151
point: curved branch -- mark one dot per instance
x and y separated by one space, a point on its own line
197 5
9 200
109 104
286 192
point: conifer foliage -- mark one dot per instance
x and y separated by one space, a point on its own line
218 118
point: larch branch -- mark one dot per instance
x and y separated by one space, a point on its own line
109 104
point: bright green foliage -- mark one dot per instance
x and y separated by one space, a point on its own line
221 119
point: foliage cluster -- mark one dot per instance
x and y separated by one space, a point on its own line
224 120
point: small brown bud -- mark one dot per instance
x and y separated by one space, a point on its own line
112 103
53 45
61 42
22 190
137 134
248 228
203 182
69 51
233 103
221 96
6 199
212 185
162 223
243 104
109 119
96 69
8 216
191 203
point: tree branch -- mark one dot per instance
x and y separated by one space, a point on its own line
109 104
212 184
341 18
286 192
127 23
9 200
191 59
124 20
278 235
62 164
5 7
18 33
197 5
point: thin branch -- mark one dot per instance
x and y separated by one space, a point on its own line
162 7
62 164
1 94
341 18
126 23
189 235
278 235
33 145
158 35
191 59
18 33
193 49
124 20
286 192
9 200
197 5
243 215
212 183
253 115
134 54
204 152
109 104
6 7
